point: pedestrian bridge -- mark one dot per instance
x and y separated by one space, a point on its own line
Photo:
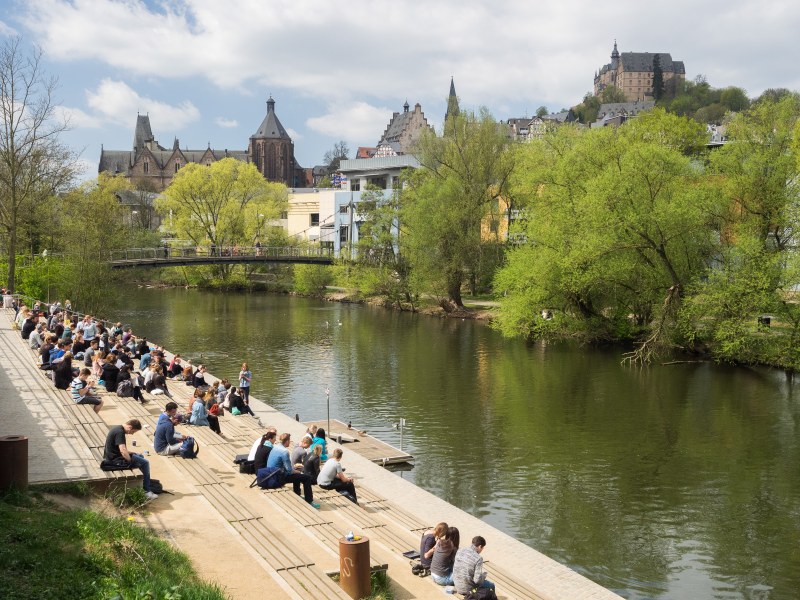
176 257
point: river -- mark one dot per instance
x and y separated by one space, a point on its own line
667 482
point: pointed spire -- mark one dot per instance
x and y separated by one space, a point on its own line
270 105
405 106
452 102
614 56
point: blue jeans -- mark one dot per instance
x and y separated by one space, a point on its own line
487 584
446 580
140 462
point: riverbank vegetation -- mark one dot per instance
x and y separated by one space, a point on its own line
48 551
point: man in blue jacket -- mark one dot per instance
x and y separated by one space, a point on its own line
166 440
279 457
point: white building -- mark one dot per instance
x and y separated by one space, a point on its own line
311 215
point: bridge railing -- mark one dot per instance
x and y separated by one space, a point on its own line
167 253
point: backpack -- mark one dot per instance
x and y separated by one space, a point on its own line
270 478
190 448
245 466
125 389
418 570
156 487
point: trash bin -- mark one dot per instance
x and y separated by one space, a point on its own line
354 569
14 463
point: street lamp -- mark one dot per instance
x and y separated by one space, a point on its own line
47 264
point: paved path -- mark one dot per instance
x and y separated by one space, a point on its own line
30 407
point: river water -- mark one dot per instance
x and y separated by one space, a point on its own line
668 482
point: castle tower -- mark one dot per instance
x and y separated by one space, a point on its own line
452 102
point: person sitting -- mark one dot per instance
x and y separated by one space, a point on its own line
125 375
320 439
29 325
44 351
312 465
116 450
159 382
110 373
237 405
332 477
279 457
311 431
300 453
63 373
444 555
166 440
175 367
211 404
259 453
200 416
468 571
81 390
79 346
37 337
427 544
198 379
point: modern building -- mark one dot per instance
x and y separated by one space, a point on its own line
632 72
311 216
151 166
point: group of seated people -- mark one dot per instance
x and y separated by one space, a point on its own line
306 465
451 565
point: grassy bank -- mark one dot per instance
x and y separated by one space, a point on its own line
47 551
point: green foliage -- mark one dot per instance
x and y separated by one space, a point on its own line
658 78
612 94
445 202
587 110
312 279
618 223
50 553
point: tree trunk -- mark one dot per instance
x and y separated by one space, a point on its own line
454 288
12 258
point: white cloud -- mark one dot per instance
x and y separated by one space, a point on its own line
501 52
227 123
356 122
115 102
295 135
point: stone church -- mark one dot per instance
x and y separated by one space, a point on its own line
151 166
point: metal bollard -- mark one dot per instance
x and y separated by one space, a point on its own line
354 569
13 462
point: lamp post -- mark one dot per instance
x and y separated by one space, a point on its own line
328 401
47 264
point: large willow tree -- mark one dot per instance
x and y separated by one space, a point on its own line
618 222
461 178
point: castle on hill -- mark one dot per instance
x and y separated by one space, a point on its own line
632 72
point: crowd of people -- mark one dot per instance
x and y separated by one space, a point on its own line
81 353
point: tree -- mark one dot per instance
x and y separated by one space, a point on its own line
734 99
658 78
587 110
34 165
541 112
221 205
461 175
618 224
612 94
336 155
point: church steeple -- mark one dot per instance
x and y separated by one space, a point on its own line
614 56
452 102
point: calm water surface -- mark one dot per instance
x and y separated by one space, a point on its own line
669 482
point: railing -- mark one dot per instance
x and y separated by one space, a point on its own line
222 254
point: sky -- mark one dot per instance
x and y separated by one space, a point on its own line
337 69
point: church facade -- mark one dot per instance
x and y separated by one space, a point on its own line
152 167
632 72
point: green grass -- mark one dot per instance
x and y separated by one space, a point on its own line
48 552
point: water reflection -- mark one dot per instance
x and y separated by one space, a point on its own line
669 482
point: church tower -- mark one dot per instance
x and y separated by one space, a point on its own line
271 149
452 102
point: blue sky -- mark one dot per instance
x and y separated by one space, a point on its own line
203 69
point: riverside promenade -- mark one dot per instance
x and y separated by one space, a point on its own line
255 543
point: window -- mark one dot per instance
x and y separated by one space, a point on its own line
355 185
343 209
177 166
146 167
343 234
314 219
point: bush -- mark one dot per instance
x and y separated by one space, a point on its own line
312 279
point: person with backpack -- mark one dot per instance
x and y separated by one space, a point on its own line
166 440
468 572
